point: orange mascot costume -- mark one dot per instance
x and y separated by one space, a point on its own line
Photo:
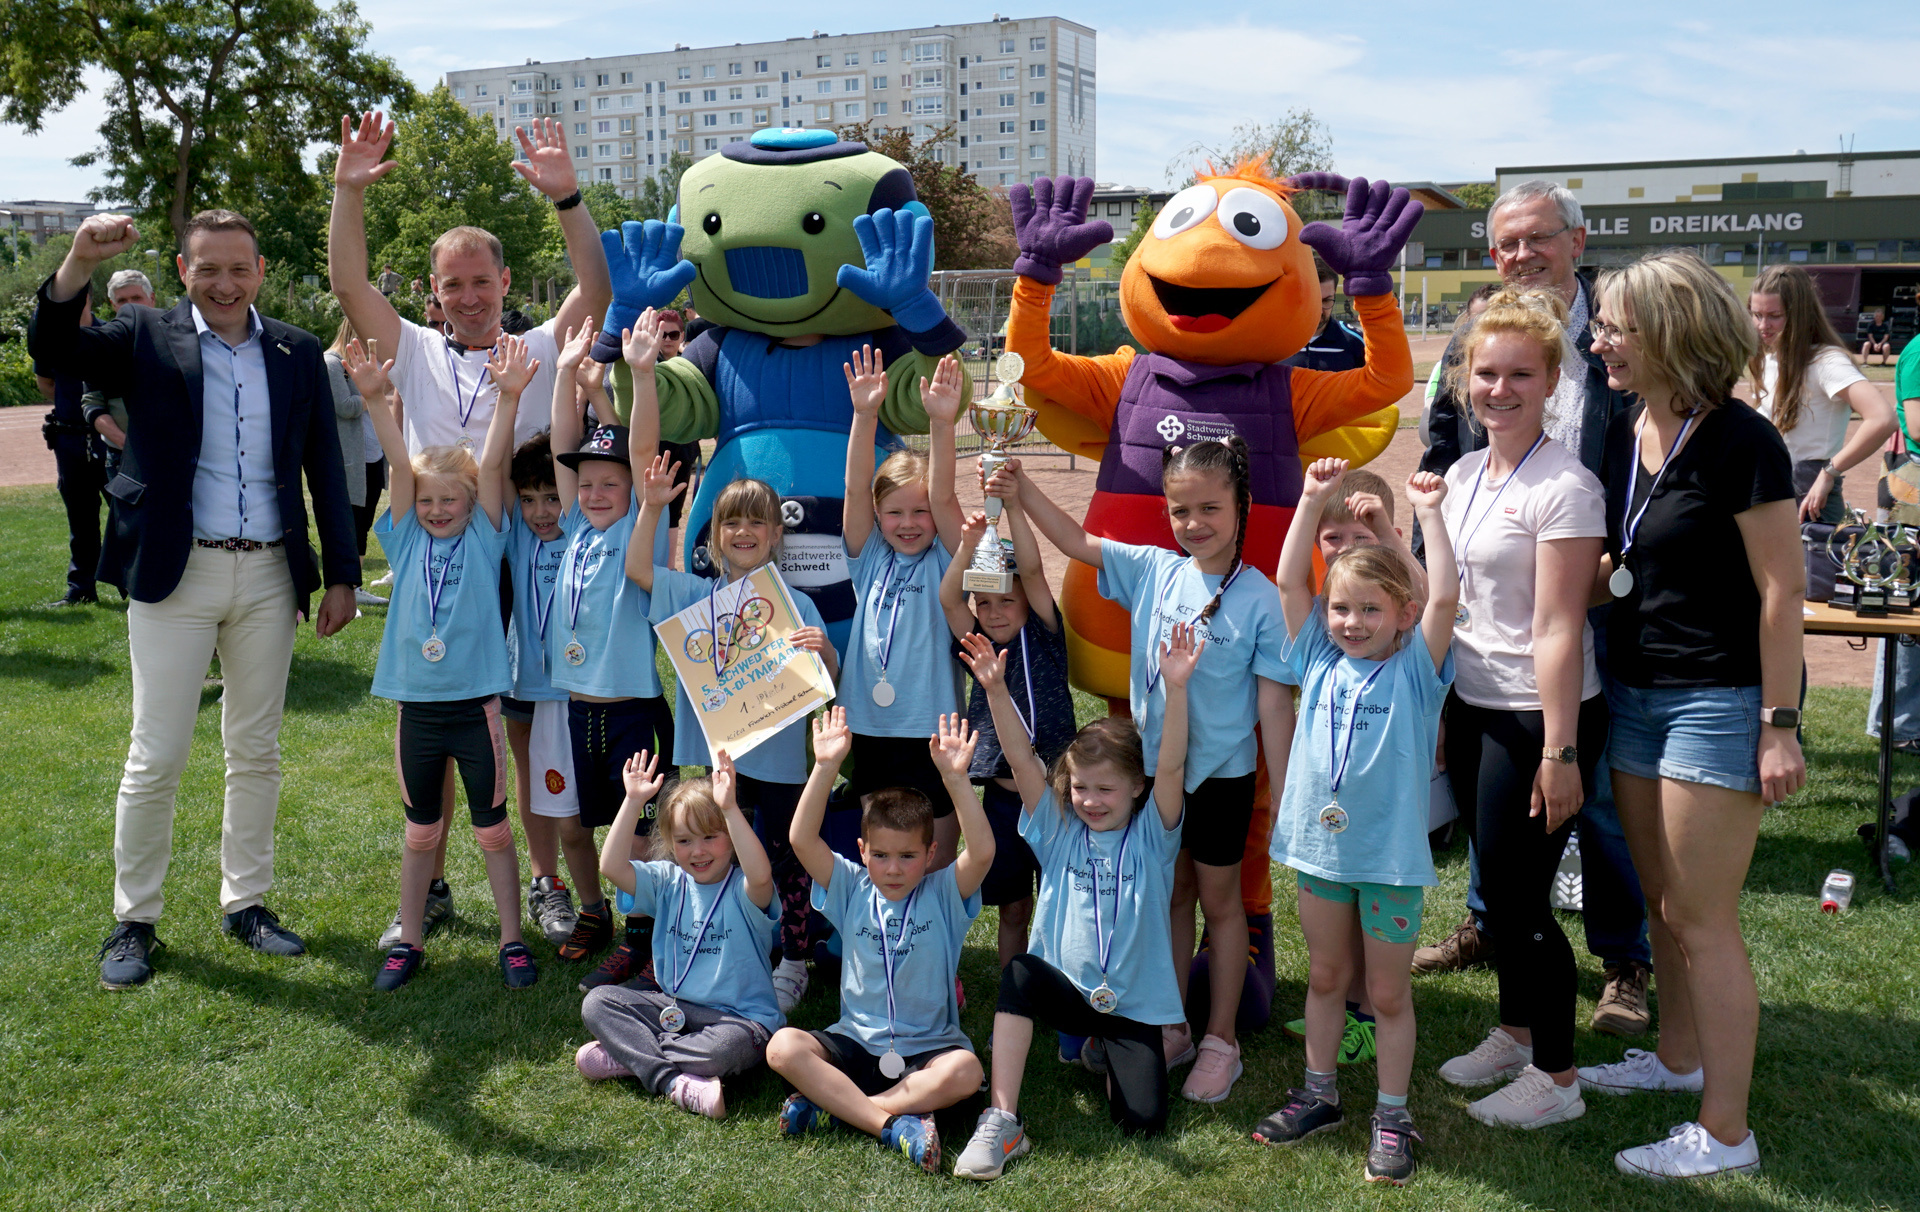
1222 290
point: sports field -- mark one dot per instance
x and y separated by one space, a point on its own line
239 1081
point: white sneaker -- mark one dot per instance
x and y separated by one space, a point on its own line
700 1095
1533 1101
998 1138
789 984
1499 1055
1689 1151
384 580
1640 1071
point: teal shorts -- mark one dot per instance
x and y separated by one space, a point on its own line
1388 912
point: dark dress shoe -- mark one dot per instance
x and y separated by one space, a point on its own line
258 928
73 599
126 957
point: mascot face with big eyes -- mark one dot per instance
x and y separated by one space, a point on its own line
1223 277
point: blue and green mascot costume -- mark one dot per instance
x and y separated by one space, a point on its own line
800 248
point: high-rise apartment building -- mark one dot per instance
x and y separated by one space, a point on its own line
1018 94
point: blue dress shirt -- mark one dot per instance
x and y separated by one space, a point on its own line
233 486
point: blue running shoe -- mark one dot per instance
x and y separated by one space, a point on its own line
800 1115
915 1138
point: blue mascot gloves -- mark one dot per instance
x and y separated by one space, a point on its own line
644 262
898 248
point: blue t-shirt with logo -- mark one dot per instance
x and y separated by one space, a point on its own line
732 972
535 564
1133 906
781 758
1244 639
604 610
899 594
467 571
1384 789
935 918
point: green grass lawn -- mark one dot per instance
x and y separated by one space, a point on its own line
235 1080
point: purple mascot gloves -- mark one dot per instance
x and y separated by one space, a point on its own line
644 261
1374 230
1051 226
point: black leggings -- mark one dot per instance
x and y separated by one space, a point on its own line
1137 1068
770 807
1492 757
469 732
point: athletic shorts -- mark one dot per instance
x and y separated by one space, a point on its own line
1389 912
520 711
603 736
862 1067
1218 811
898 761
1011 877
550 761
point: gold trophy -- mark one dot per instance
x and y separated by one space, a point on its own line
1001 420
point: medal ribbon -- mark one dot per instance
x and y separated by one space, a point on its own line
1631 526
893 617
1466 541
465 406
434 586
679 912
1030 720
713 616
1337 755
575 578
1105 946
886 952
1153 653
543 611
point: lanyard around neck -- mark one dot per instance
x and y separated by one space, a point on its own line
1338 755
435 585
1470 527
700 935
1630 526
1103 935
887 953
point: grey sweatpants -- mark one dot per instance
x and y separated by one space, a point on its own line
712 1044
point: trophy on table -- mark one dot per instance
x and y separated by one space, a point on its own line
1872 562
1001 420
1901 593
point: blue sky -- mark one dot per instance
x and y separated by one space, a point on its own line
1410 91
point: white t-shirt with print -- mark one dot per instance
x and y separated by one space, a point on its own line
1494 531
1822 428
440 384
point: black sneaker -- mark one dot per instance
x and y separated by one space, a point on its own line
1390 1157
516 964
592 931
632 958
126 958
398 968
1304 1115
258 928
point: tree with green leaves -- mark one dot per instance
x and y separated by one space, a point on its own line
657 196
1478 195
210 101
1123 251
1298 142
972 225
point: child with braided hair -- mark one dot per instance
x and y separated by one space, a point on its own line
1207 585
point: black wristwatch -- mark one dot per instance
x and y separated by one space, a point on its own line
569 202
1566 755
1781 717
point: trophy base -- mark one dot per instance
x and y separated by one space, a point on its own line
1871 603
1900 600
975 581
1844 598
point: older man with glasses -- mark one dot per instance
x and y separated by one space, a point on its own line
1537 233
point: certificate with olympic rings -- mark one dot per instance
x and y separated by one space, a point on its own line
743 677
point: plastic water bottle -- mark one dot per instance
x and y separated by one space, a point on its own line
1897 850
1837 893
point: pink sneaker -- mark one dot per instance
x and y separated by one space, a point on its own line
595 1065
700 1095
1214 1073
1176 1039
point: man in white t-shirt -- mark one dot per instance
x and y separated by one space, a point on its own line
443 378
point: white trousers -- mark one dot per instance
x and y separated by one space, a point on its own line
241 605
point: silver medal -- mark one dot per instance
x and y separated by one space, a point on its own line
883 693
891 1065
434 648
1103 999
1460 616
1620 584
672 1018
575 653
465 443
1333 818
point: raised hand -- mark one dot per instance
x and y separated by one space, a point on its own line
973 528
1322 479
952 746
832 739
549 164
102 238
1425 490
643 260
511 365
897 246
726 784
640 345
989 667
1004 483
372 376
866 381
1051 227
658 488
1179 653
1370 511
574 346
1366 245
642 776
363 149
941 397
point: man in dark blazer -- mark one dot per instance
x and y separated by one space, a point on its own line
226 412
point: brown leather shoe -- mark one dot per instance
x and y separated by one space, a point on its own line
1465 948
1623 1002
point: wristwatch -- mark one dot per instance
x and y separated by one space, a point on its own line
1566 756
1833 473
1781 717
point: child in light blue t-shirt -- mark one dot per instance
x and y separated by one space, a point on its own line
1353 822
897 1053
1101 964
443 657
901 526
711 1010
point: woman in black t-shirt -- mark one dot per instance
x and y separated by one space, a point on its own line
1705 640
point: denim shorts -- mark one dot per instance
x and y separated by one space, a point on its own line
1705 734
